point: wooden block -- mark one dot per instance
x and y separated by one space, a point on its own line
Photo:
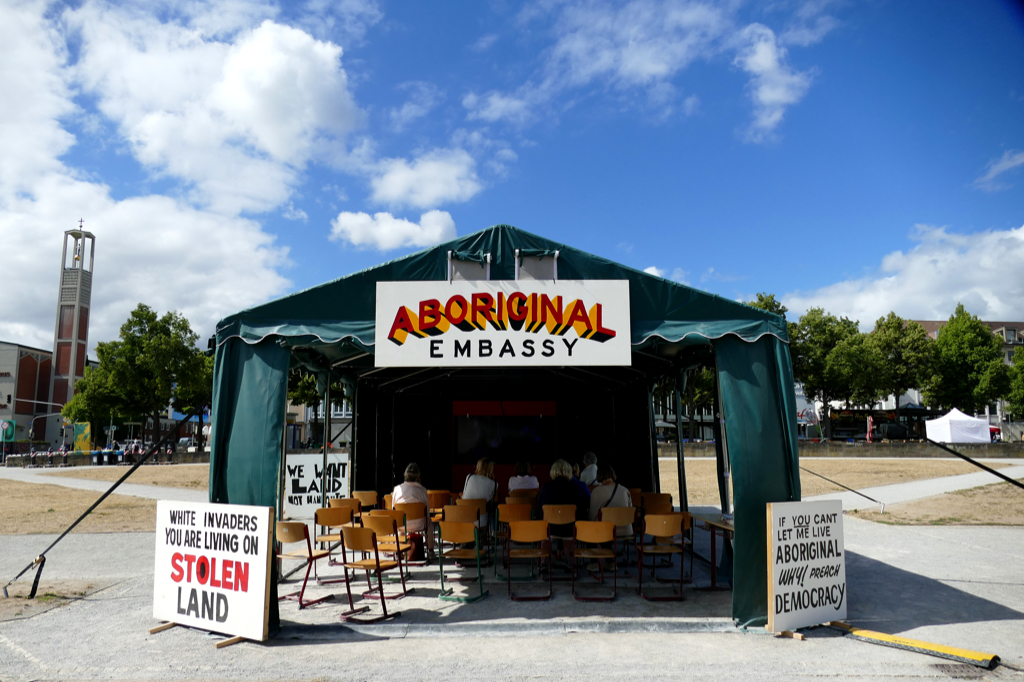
161 628
230 641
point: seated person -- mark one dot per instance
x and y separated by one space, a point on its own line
410 492
610 494
480 485
523 480
564 489
589 473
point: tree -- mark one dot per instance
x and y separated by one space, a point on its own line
853 369
303 390
816 335
154 365
968 372
1016 392
906 354
700 393
769 303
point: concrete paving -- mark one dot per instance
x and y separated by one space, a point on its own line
957 586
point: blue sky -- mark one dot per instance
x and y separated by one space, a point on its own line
859 156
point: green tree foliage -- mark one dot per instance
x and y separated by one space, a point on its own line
906 354
816 336
1015 396
302 390
968 372
769 303
153 365
853 369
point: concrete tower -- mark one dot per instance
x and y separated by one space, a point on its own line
71 334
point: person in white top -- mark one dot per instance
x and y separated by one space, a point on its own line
610 494
481 485
589 473
412 491
523 480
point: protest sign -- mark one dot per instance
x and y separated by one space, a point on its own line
303 478
212 567
806 564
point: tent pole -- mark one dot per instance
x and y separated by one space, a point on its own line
376 440
721 450
655 474
393 478
327 443
684 504
355 433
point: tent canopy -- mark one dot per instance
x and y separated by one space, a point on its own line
401 413
957 427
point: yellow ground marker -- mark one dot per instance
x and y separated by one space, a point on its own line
987 661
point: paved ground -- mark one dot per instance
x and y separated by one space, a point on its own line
950 585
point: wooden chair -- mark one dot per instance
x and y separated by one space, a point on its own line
385 527
332 519
525 492
353 503
482 506
415 510
560 515
534 533
592 534
460 532
367 498
662 528
289 532
635 495
387 501
505 514
365 540
621 517
647 499
461 514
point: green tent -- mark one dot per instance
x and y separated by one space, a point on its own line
403 414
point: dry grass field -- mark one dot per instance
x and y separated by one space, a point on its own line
29 509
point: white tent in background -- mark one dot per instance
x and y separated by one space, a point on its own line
957 427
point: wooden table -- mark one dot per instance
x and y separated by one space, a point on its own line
714 522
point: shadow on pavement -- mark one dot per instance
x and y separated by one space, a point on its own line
887 598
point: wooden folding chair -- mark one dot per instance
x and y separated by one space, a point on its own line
663 528
505 514
385 525
480 504
525 492
415 510
621 517
289 532
534 533
332 519
459 514
351 502
365 540
559 515
587 538
460 532
367 499
387 501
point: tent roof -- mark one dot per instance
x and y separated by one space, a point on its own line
337 318
957 415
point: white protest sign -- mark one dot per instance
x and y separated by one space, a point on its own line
303 478
212 567
806 564
502 323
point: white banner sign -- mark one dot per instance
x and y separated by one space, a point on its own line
303 477
213 567
502 323
807 564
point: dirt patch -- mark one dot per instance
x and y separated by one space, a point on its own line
999 504
193 476
702 483
30 508
50 595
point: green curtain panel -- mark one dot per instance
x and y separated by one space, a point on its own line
758 403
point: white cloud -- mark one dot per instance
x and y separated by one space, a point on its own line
292 213
423 97
384 232
236 117
484 43
645 45
982 271
1008 161
774 85
678 274
431 179
151 249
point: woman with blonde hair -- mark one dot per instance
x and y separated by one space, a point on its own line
480 485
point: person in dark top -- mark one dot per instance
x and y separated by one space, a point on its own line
563 488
